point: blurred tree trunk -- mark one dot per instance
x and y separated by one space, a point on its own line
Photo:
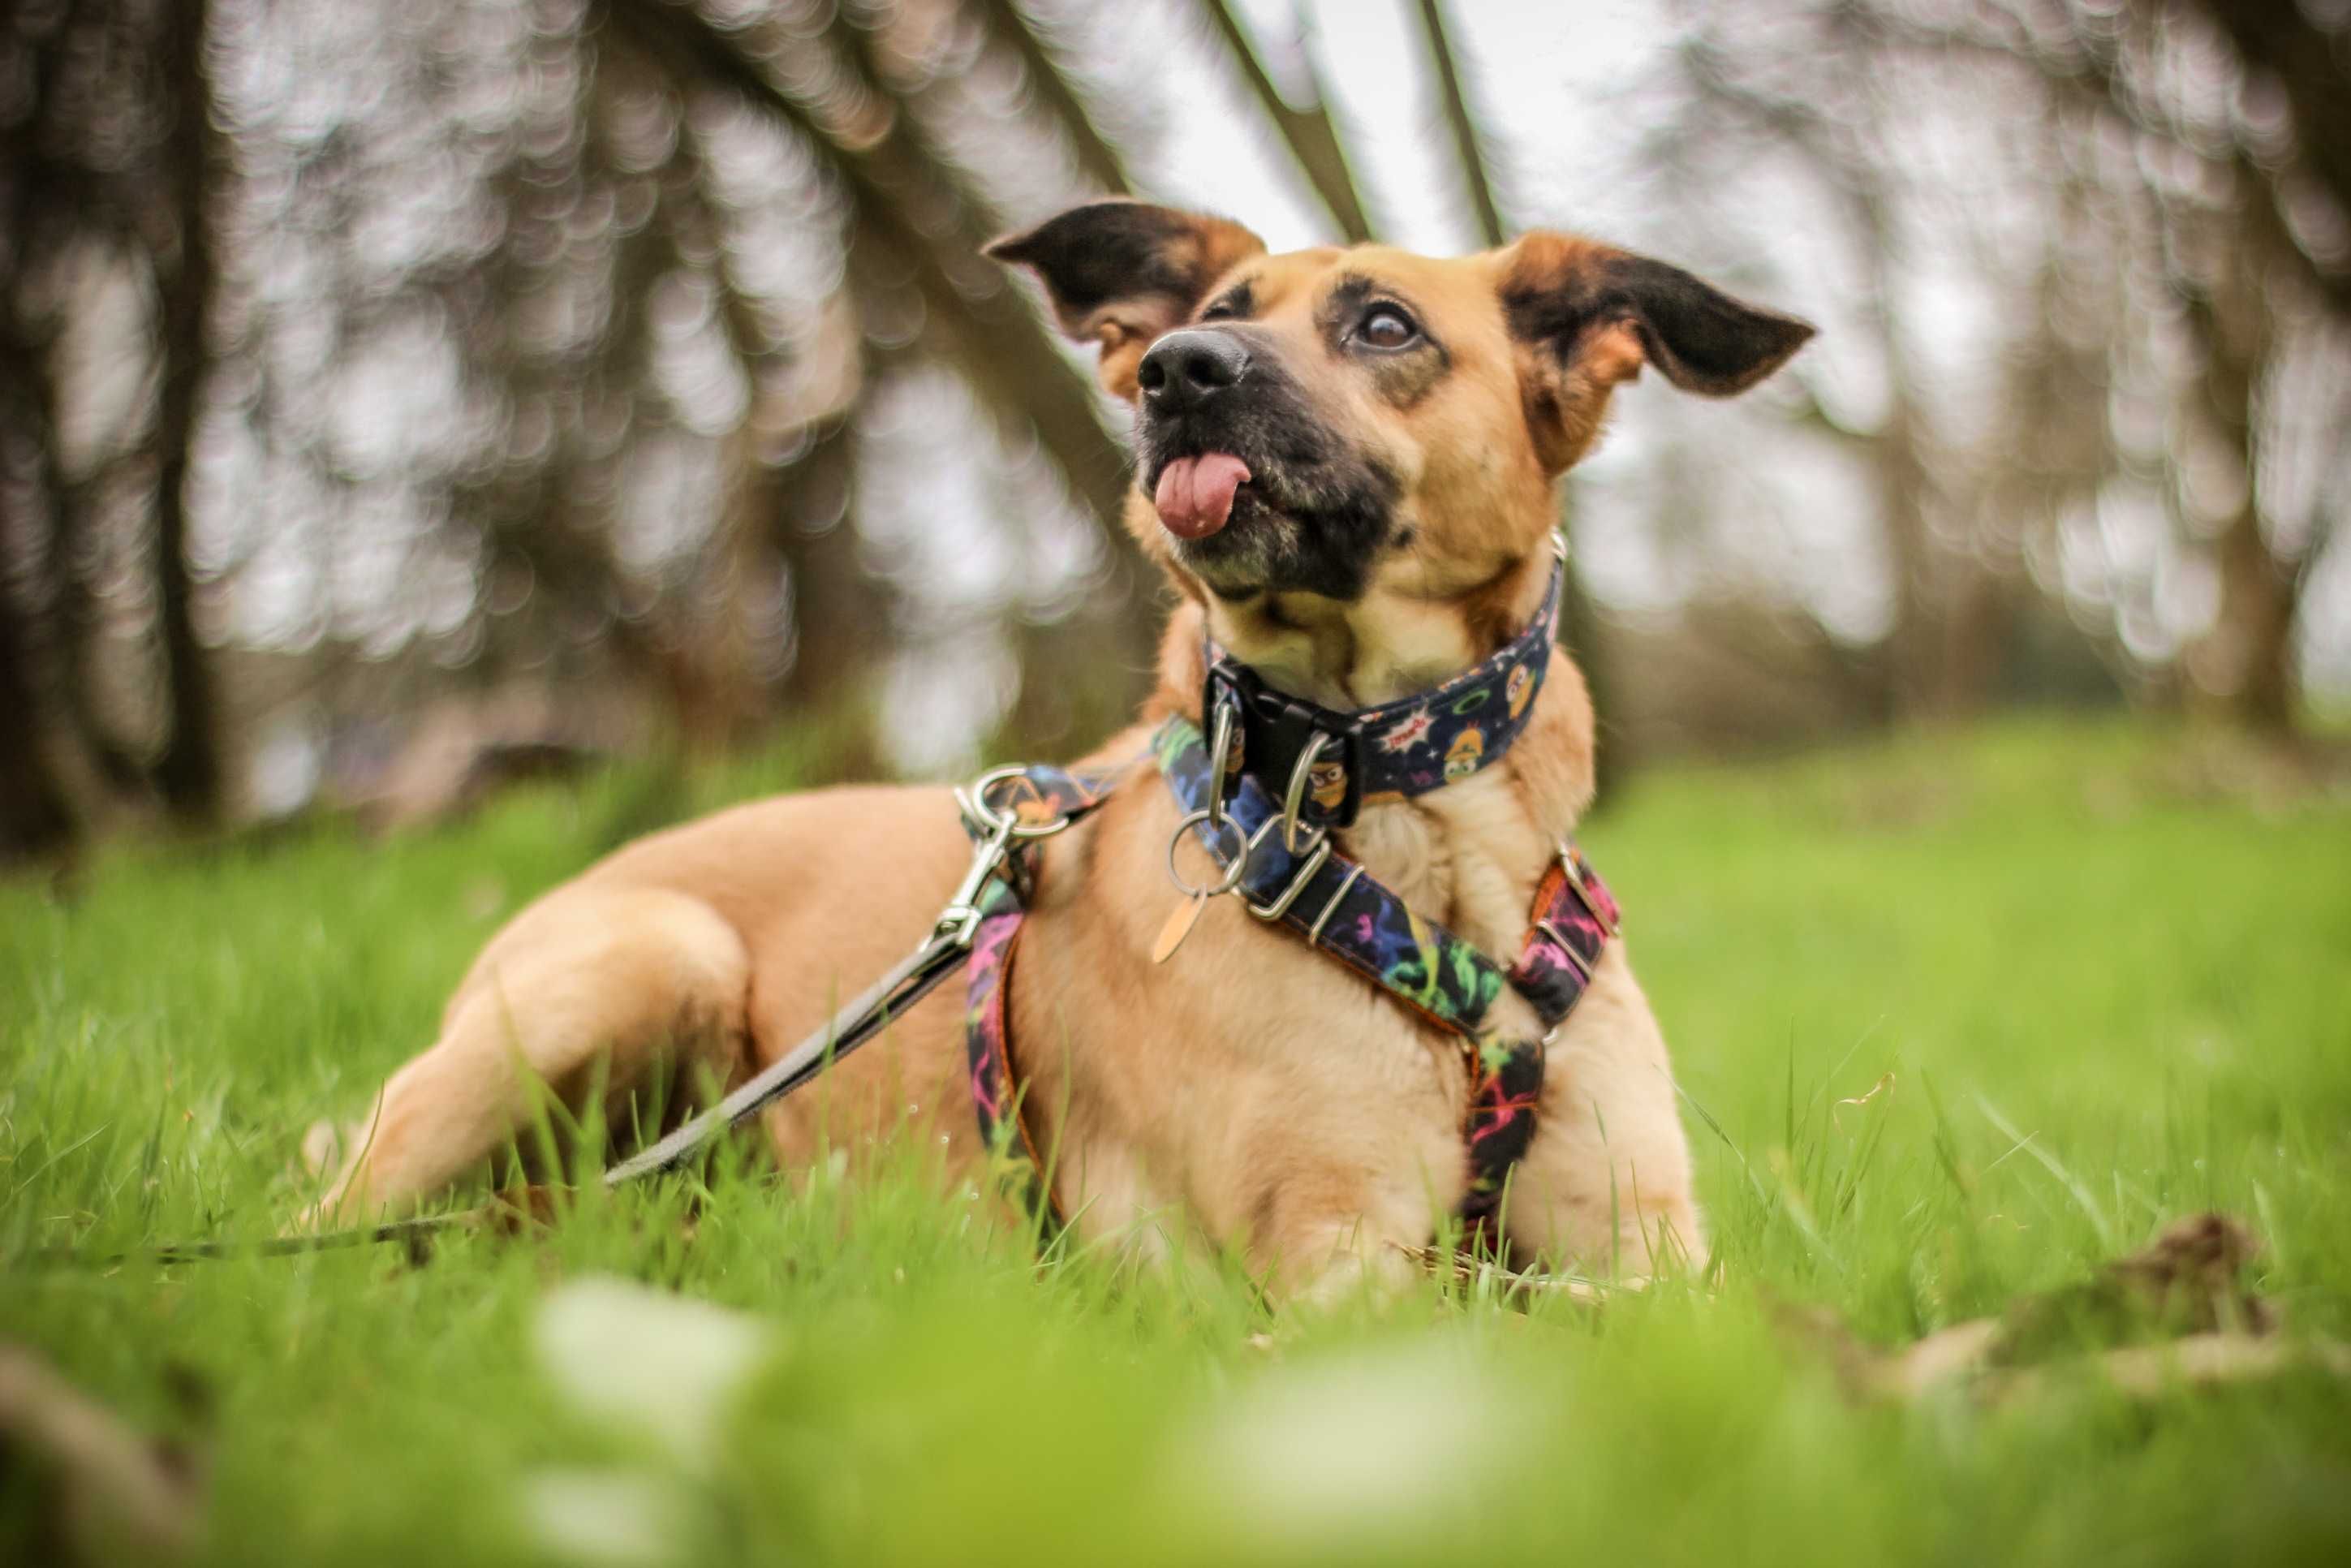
2251 650
35 818
1918 646
71 624
188 773
2254 632
36 815
1976 615
2310 65
838 609
2244 664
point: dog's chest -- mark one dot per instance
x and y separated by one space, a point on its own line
1468 855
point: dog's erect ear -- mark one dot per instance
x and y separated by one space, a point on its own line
1121 273
1591 317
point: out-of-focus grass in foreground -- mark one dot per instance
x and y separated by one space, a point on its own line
2108 971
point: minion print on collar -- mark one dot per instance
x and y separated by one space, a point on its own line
1392 752
1462 757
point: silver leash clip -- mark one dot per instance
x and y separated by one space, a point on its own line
997 828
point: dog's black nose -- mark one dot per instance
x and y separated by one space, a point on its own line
1184 368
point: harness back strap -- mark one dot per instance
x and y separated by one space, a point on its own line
1042 792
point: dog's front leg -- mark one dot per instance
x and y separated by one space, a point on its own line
1606 1186
1356 1264
1343 1227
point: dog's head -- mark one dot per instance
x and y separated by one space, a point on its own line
1329 433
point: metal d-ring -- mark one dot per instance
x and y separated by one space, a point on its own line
1234 869
1220 750
1003 819
1293 800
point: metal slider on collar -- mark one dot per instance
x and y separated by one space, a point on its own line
1559 937
1317 855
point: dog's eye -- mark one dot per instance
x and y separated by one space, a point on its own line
1385 327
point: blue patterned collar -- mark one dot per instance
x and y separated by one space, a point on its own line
1334 763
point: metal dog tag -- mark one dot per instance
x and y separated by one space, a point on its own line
1180 921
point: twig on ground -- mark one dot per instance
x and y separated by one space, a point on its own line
1514 1285
2197 1324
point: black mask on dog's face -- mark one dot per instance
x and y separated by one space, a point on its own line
1258 488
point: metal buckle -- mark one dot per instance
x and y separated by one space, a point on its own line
1583 966
1277 729
1573 865
1318 856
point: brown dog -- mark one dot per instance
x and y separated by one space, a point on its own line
1346 466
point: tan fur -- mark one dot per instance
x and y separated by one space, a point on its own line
1250 1093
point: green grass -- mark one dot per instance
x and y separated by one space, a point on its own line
2111 988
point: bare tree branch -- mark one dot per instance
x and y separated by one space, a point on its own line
1009 25
1469 147
999 341
1313 139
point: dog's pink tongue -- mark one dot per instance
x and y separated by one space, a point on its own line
1195 497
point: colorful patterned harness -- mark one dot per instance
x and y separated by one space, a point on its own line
1277 855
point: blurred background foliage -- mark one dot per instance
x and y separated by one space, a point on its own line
394 396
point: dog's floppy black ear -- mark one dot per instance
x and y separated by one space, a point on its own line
1702 339
1592 315
1121 273
1557 290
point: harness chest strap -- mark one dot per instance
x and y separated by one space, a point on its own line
1337 906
